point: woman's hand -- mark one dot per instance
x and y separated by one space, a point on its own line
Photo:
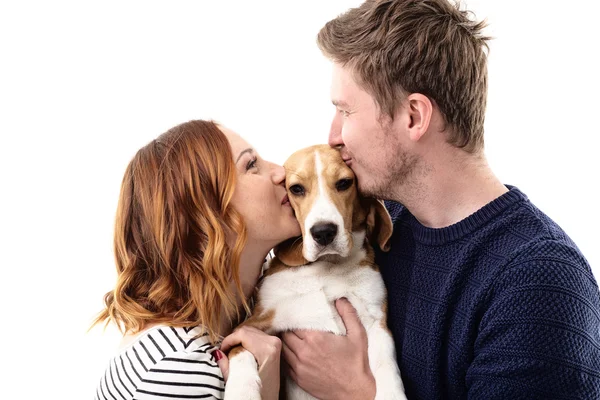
267 352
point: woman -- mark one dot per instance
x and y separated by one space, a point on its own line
198 212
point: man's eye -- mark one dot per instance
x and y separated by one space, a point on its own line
296 190
344 113
343 184
251 164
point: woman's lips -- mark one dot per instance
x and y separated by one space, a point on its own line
285 200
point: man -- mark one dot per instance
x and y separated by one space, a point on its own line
488 297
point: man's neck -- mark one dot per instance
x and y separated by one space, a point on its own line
452 189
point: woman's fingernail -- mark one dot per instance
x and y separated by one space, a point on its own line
217 354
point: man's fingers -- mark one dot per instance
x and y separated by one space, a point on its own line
350 317
291 359
291 340
301 333
222 362
289 371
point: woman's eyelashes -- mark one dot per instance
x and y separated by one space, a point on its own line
252 163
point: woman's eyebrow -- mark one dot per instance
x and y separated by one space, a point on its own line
248 150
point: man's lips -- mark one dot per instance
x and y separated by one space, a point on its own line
285 199
347 159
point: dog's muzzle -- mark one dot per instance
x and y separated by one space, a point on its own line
324 233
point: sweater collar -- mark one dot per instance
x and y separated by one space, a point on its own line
439 236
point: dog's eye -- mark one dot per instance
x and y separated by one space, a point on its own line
297 190
343 184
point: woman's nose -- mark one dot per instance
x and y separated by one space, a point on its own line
278 174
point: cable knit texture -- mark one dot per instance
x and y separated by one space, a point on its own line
501 305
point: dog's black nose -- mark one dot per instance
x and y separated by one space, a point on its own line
324 233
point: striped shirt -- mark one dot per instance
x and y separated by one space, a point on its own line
163 363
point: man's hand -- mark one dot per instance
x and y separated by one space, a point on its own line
329 366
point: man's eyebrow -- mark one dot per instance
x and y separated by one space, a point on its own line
339 103
248 150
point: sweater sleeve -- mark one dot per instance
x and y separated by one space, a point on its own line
183 374
539 336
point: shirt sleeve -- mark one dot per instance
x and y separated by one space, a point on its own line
185 375
539 336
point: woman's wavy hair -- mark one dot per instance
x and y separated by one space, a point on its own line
174 261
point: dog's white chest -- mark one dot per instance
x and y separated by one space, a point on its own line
303 297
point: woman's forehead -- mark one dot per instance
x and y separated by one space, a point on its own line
237 143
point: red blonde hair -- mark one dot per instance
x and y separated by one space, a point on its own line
174 216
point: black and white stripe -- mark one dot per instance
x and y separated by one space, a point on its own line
164 363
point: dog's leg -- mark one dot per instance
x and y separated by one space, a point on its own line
244 381
382 360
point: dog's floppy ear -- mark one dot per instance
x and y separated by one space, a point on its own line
379 224
290 252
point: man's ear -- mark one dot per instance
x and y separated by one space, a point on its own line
379 225
420 111
290 252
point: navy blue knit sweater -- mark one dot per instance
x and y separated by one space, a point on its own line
501 305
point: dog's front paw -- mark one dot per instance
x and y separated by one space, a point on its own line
244 381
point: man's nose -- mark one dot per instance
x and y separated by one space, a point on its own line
335 132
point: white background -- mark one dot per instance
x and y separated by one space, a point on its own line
83 85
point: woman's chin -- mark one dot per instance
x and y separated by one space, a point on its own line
295 232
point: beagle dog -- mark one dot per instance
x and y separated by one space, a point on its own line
332 259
